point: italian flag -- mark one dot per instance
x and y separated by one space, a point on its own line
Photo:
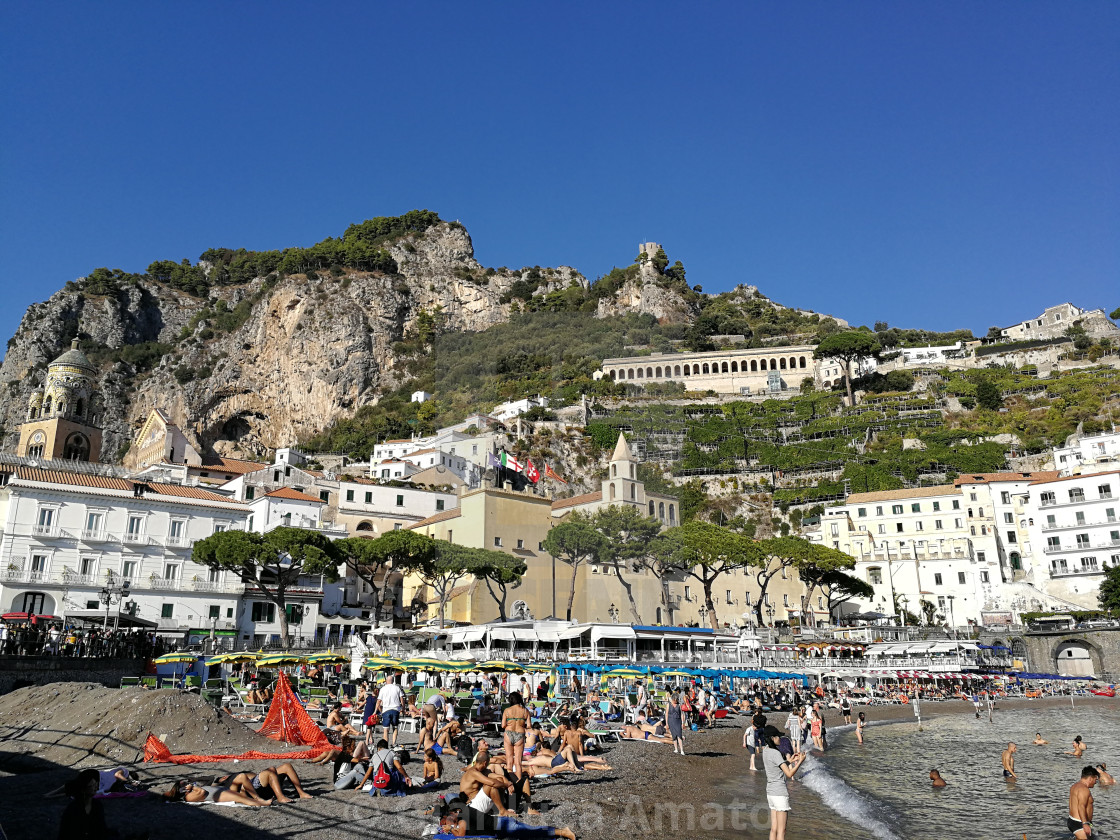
510 463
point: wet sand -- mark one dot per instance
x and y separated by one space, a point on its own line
648 790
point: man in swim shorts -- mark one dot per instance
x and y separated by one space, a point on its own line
1009 761
1080 819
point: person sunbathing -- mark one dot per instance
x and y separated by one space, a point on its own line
439 743
565 760
637 733
259 696
461 818
482 788
266 784
344 750
186 791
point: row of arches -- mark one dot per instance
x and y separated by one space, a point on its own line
708 369
61 408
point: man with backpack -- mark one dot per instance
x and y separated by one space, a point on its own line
386 773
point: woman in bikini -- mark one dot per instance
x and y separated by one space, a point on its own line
264 785
514 720
185 791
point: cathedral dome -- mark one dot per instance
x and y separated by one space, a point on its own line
73 358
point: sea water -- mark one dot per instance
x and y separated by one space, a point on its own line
881 790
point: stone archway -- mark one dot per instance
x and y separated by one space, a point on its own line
1076 657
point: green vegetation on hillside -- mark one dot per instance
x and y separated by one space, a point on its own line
361 247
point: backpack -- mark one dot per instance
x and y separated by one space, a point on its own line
381 779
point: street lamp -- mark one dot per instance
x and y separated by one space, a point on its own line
703 611
952 621
770 613
902 599
113 593
612 611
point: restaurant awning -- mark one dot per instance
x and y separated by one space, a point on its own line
616 631
573 632
511 634
125 620
462 635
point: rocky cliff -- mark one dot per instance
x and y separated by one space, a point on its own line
255 366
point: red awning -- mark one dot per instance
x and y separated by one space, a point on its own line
14 616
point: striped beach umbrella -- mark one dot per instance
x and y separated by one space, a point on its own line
503 665
423 663
460 666
328 658
279 660
626 673
175 658
381 663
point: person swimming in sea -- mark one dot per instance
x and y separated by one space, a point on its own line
1039 741
1079 747
1009 760
1106 777
935 776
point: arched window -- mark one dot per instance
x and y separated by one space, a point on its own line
970 513
641 373
77 448
612 375
782 362
792 362
705 367
1016 561
676 370
614 470
802 362
762 364
734 367
612 492
754 364
672 512
659 373
651 507
661 509
81 408
696 370
659 615
364 526
633 492
687 370
46 406
723 367
649 373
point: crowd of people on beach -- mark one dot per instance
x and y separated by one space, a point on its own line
495 790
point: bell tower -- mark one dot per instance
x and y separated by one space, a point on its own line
62 422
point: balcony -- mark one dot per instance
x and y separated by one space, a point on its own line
163 583
76 579
47 531
213 586
1074 572
97 535
135 539
23 576
179 542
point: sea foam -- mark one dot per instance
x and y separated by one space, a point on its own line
845 800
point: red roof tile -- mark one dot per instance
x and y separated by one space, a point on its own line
439 517
586 498
987 478
77 479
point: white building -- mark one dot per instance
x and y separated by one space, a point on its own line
1087 452
1074 521
421 396
366 507
66 534
509 410
931 355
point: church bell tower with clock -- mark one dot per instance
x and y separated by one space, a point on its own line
62 420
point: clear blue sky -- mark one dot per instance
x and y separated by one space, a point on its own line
928 164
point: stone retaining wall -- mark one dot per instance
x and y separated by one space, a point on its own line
19 671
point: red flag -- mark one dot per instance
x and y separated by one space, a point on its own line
531 472
550 473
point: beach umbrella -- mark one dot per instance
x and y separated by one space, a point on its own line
233 656
626 673
678 673
422 663
279 660
537 668
551 683
501 665
176 658
604 681
328 658
460 666
381 663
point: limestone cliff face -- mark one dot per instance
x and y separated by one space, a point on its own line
309 352
648 294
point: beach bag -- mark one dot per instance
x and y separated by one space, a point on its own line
686 706
373 720
381 779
